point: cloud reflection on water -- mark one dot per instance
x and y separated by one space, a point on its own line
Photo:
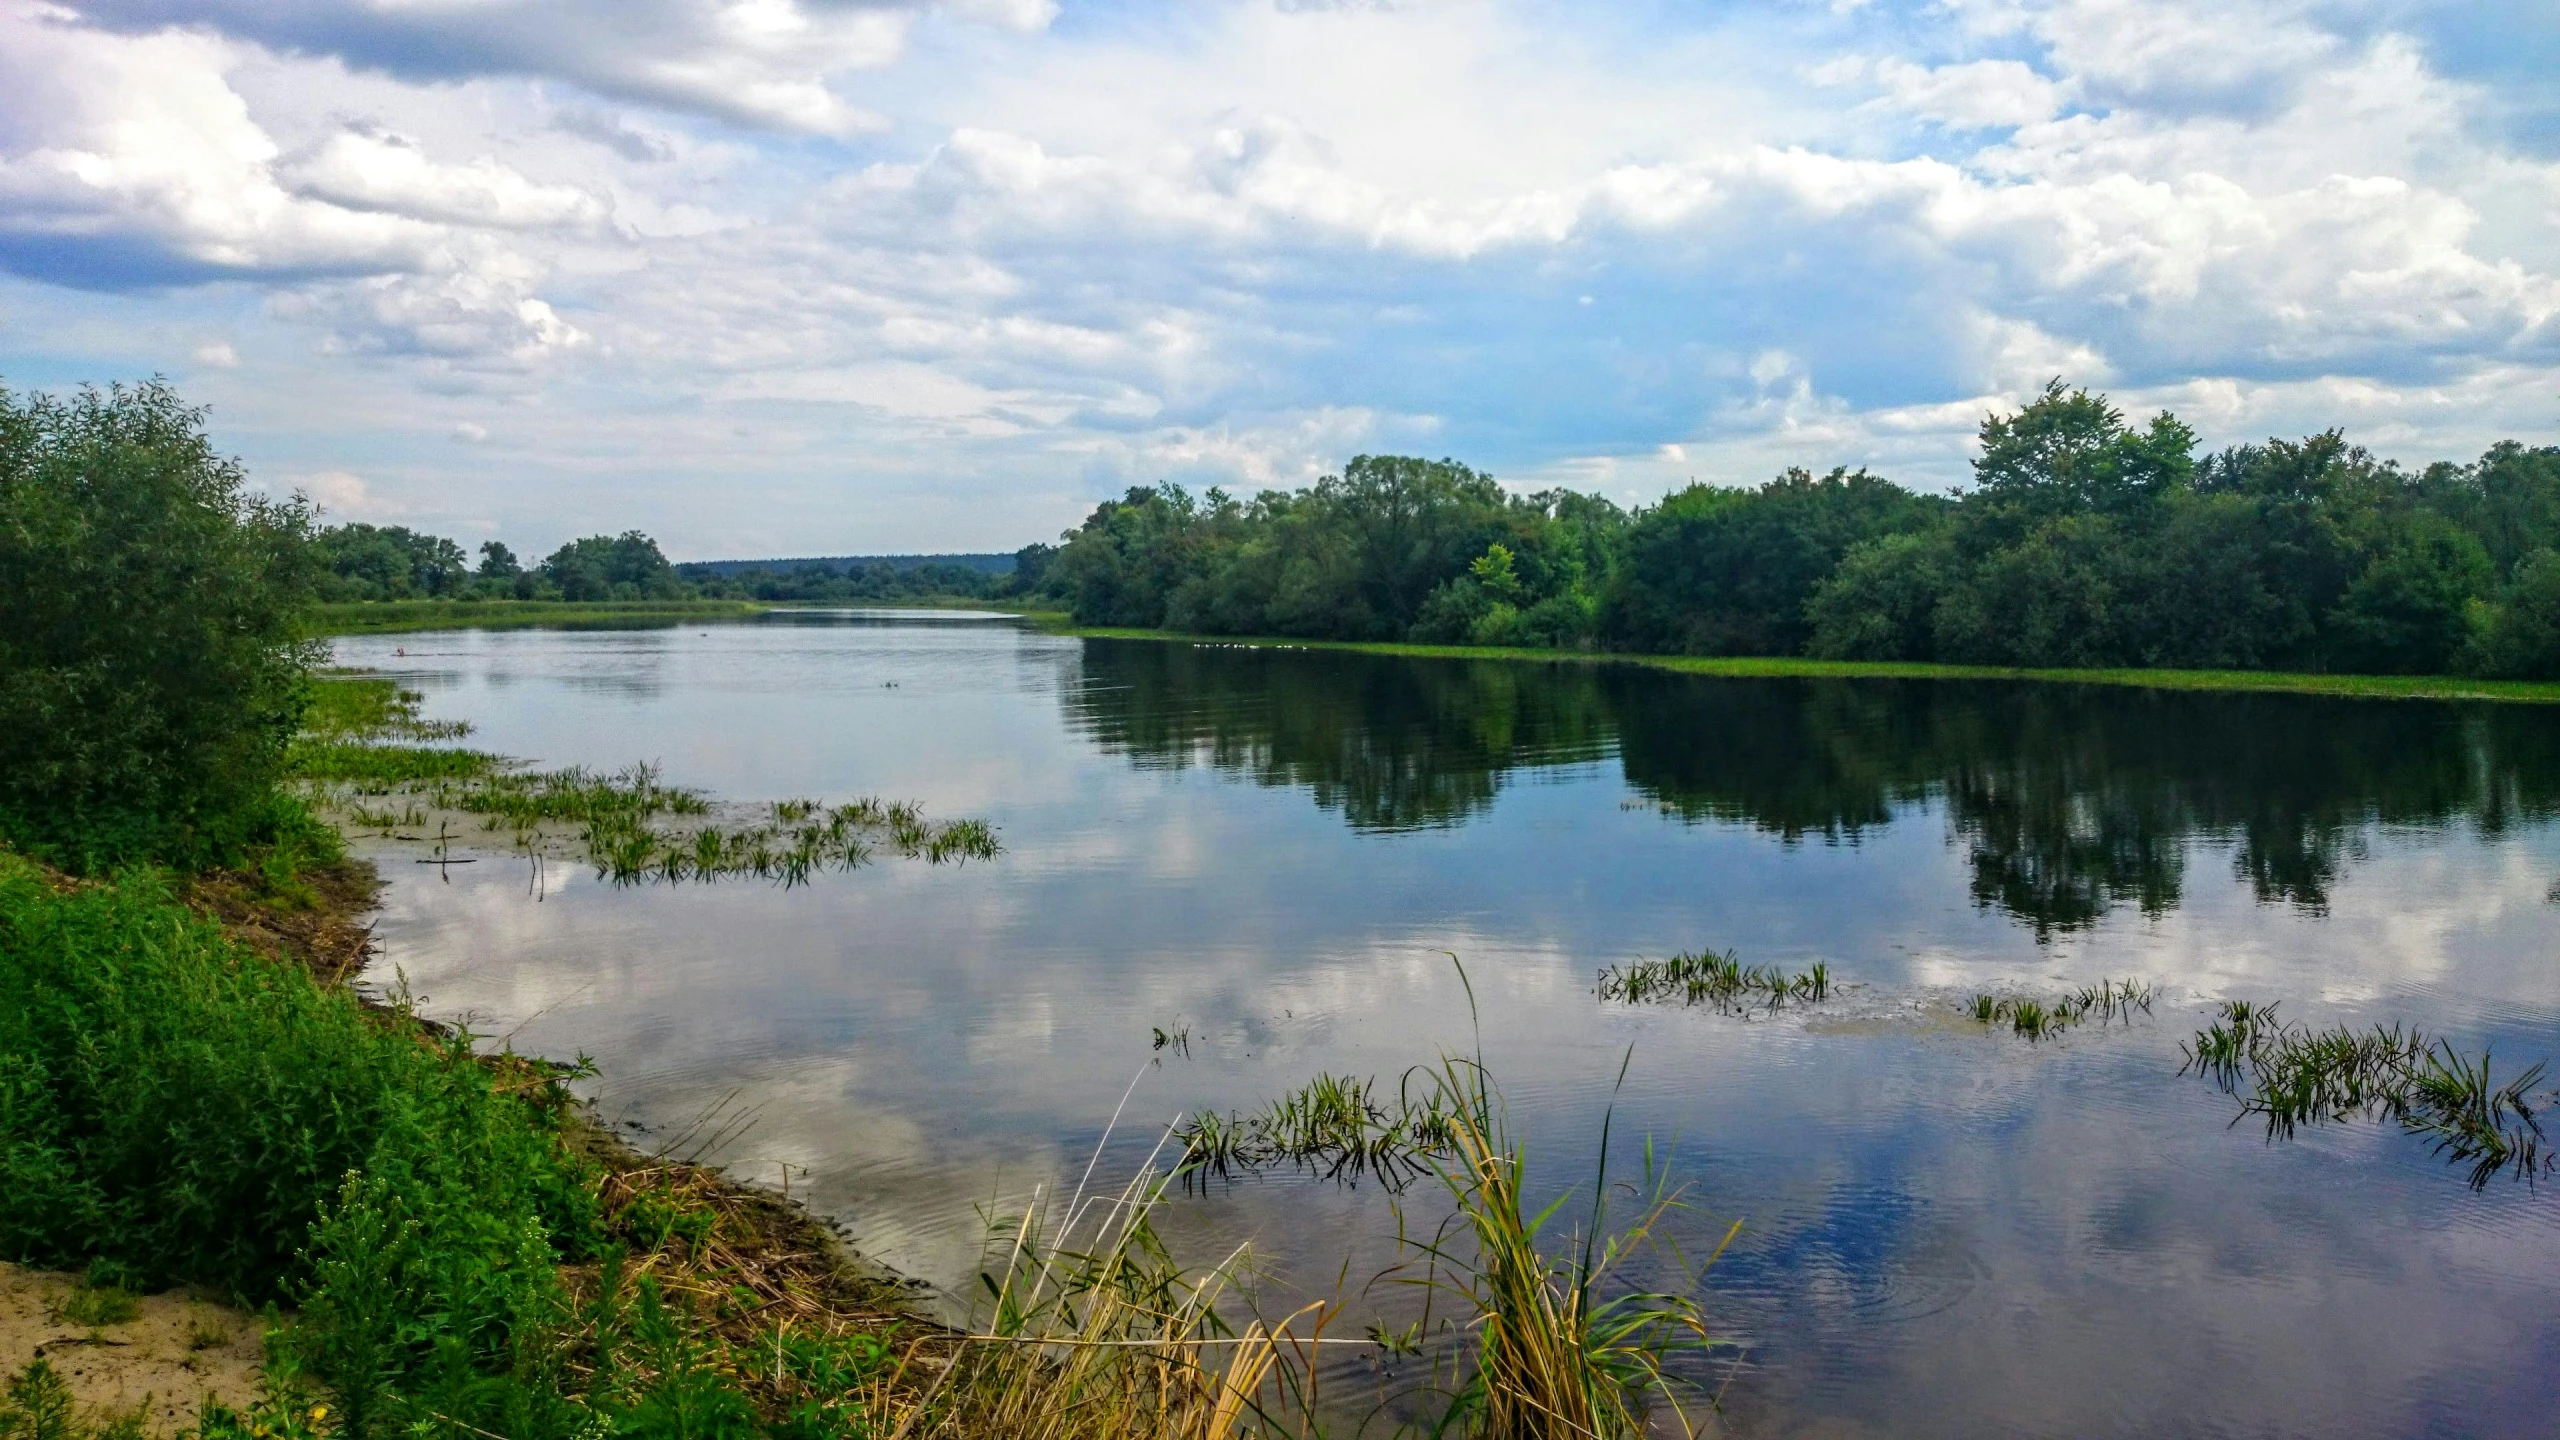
1950 1232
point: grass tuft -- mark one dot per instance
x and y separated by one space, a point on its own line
2106 1002
1335 1126
2299 1076
1718 979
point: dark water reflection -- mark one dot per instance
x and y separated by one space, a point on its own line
2071 800
1948 1233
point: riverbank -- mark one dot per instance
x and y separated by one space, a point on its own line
230 1071
393 617
2380 687
384 617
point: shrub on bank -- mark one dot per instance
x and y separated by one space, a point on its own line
176 1108
152 668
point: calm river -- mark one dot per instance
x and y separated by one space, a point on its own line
1948 1231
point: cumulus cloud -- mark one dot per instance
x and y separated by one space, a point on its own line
1242 240
134 159
371 170
769 63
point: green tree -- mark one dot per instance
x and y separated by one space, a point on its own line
2521 637
628 566
1717 571
1881 603
152 664
2410 612
389 562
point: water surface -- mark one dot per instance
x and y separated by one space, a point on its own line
1948 1231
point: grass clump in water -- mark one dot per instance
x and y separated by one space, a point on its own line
1560 1345
1336 1126
622 821
2106 1002
1718 979
2298 1076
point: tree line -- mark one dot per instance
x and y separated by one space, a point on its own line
2084 540
393 562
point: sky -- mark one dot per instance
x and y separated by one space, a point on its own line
796 277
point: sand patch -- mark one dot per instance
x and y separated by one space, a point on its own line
178 1349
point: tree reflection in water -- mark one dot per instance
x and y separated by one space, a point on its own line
2071 800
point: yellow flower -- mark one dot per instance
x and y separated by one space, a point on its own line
319 1413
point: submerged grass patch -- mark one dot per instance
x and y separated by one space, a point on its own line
1336 1126
2298 1076
630 824
1718 979
2107 1001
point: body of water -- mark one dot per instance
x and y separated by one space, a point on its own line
1948 1230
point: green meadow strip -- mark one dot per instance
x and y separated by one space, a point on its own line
382 617
2381 687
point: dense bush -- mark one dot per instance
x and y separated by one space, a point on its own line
173 1108
151 669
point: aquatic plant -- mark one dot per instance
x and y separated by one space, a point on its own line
628 822
1561 1347
1710 977
2300 1076
2107 1001
1336 1126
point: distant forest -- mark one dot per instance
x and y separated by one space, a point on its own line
2083 541
393 562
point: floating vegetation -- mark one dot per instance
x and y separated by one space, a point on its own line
2299 1076
2106 1002
1335 1126
1708 977
1178 1040
630 824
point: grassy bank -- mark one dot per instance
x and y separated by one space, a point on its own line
455 1253
2383 687
379 617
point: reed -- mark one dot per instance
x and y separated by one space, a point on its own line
2106 1002
1090 1328
1561 1345
1335 1126
1709 977
2299 1076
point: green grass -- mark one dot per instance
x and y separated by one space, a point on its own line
2298 1076
1709 977
377 617
2382 687
2106 1002
95 1305
1337 1126
631 826
175 1108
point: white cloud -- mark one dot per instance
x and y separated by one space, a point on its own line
1977 94
771 63
366 170
1241 240
134 154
